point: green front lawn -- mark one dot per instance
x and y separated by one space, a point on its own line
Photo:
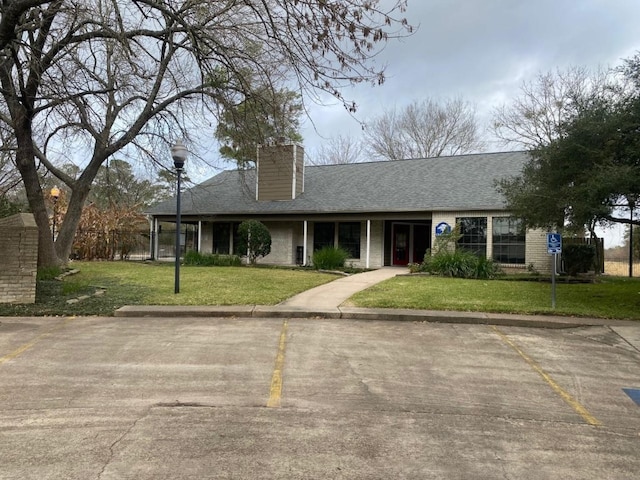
133 283
611 297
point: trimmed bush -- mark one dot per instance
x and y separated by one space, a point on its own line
211 260
329 258
255 239
578 258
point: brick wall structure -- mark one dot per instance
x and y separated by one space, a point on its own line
18 258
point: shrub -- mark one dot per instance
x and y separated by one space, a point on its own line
578 258
460 264
487 269
446 260
329 258
209 260
255 239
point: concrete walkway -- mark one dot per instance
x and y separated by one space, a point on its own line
325 301
332 294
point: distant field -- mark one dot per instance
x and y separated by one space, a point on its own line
621 268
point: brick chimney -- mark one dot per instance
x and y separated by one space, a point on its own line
280 172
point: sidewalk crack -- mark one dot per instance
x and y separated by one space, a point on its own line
119 440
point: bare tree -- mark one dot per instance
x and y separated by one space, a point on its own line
89 78
534 117
12 11
339 150
9 176
424 129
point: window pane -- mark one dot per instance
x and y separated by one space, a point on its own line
508 240
323 235
473 234
236 240
221 238
349 238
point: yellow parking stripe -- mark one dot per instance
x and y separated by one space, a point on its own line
275 393
20 350
566 396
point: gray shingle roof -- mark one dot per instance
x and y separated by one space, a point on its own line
464 182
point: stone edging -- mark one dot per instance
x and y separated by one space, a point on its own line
99 290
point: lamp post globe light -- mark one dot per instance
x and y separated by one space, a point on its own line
55 194
179 155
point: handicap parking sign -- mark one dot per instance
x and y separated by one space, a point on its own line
554 243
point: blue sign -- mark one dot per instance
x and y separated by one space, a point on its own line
554 243
442 228
633 393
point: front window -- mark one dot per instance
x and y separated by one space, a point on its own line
473 234
349 238
236 239
221 238
508 240
323 235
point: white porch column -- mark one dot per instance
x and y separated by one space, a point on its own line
304 243
368 243
151 235
156 237
199 236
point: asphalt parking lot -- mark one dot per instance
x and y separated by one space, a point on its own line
197 398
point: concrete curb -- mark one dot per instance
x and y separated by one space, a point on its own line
381 314
184 311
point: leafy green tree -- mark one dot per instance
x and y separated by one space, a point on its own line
583 177
116 184
255 239
264 115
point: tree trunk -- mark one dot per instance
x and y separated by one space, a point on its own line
66 235
25 161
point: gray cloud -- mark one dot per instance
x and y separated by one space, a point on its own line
483 50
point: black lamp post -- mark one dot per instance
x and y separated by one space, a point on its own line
55 194
179 155
631 205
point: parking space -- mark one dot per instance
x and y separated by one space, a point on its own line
179 398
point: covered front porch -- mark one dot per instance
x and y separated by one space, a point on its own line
372 242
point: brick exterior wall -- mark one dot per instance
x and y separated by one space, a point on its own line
536 251
535 242
18 258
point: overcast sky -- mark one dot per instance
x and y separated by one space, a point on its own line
482 51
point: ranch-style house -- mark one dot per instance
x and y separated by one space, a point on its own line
383 213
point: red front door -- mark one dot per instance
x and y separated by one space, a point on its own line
401 235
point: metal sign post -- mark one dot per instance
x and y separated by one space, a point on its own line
554 248
554 260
